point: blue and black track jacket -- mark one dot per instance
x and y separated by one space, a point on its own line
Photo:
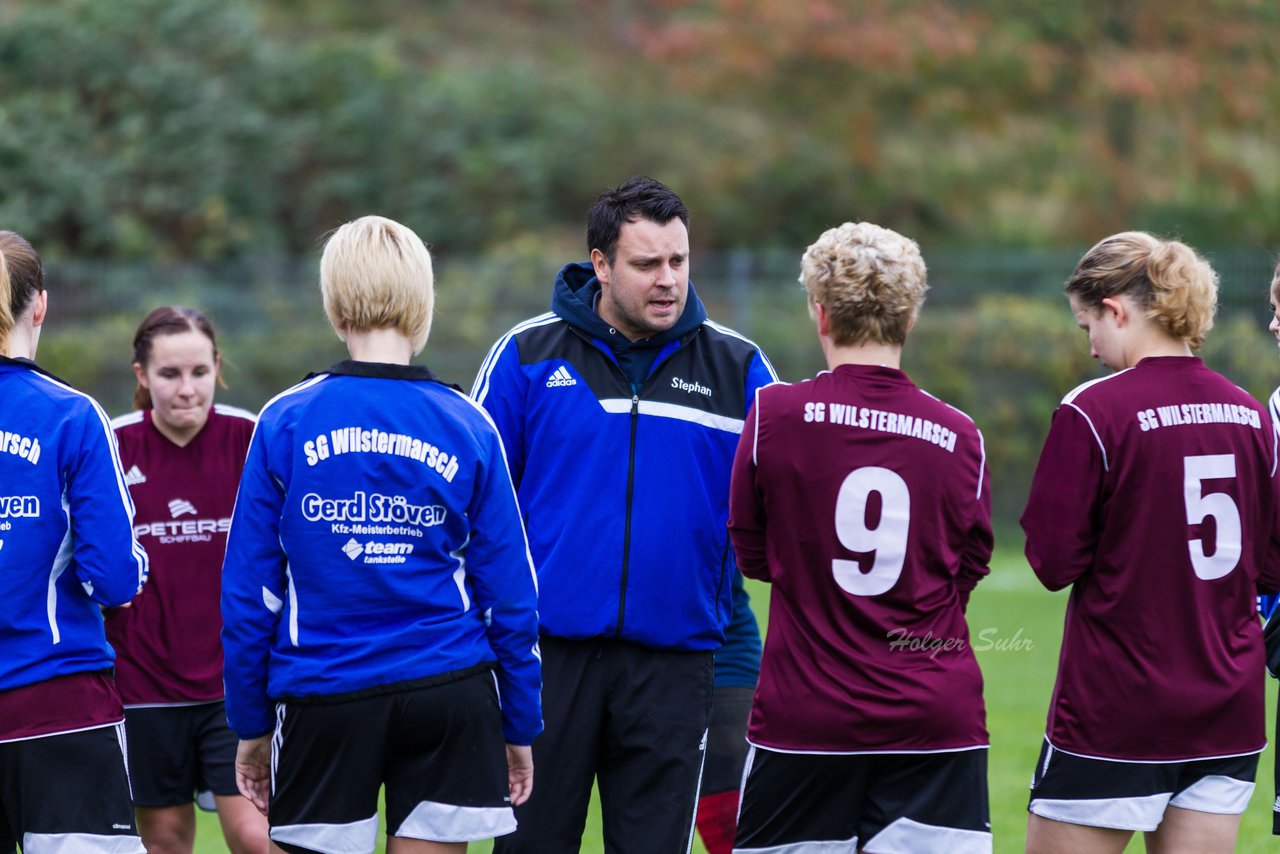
375 546
66 529
624 491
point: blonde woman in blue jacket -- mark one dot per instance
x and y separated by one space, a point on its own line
378 595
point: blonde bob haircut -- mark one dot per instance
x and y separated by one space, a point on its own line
1172 285
376 274
870 280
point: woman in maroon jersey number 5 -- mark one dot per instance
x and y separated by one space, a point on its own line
182 458
1155 501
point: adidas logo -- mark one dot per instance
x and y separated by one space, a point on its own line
353 549
134 476
178 507
561 377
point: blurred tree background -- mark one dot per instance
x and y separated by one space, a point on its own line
199 150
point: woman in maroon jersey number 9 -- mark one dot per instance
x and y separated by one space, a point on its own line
1155 501
182 458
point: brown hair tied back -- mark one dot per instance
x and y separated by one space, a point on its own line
21 278
166 320
1173 285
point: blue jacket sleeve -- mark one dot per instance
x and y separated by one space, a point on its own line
109 562
254 592
759 373
502 577
500 388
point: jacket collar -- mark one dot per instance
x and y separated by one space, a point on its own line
353 368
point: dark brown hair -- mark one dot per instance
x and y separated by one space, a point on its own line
21 278
167 320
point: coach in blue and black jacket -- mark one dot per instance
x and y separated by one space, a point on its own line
620 411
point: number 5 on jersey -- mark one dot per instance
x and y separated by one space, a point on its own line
1219 505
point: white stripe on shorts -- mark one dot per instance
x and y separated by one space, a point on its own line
833 846
906 835
357 837
1215 794
437 822
80 843
1142 813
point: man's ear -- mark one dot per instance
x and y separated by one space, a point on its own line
601 265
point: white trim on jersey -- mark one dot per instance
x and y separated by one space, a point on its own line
904 834
1075 392
234 412
433 821
125 420
982 440
1273 407
1057 749
480 388
182 705
81 843
359 835
794 752
1106 465
622 406
62 732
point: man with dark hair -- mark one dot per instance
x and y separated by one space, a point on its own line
620 411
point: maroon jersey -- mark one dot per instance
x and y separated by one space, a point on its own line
63 704
864 501
167 644
1155 498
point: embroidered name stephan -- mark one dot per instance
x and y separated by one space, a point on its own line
692 388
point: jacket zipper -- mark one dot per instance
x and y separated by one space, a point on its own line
626 532
631 479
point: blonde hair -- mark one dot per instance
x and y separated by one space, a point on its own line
376 274
21 278
870 280
1173 285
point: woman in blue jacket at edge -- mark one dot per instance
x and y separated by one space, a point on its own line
66 550
378 594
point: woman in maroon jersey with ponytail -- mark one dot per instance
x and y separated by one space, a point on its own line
182 458
1155 501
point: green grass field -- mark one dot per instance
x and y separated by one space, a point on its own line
1023 623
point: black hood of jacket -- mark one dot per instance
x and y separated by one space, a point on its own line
573 298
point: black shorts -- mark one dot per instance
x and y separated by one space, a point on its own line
179 752
440 751
874 802
74 787
1133 795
